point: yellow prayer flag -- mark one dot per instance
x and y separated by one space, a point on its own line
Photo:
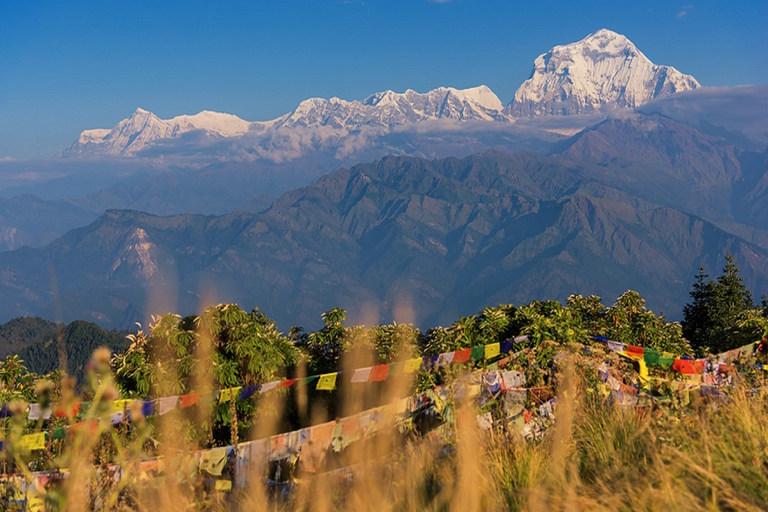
223 485
33 442
492 350
412 365
227 394
212 461
327 382
121 405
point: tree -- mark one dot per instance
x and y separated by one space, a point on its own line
712 320
697 315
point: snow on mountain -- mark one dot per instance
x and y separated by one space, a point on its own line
337 117
603 70
135 133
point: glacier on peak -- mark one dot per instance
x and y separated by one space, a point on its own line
605 70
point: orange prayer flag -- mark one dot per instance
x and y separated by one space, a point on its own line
462 356
379 373
189 400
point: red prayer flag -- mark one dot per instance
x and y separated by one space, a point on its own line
462 356
379 373
634 350
688 367
61 413
286 383
349 426
90 427
189 400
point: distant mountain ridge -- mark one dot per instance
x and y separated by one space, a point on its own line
383 110
604 71
416 239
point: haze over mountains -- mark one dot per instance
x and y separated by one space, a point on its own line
605 172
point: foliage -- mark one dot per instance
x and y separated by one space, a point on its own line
711 319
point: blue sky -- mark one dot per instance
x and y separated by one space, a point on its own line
68 66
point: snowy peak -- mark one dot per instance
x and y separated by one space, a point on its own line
388 108
143 128
605 70
379 112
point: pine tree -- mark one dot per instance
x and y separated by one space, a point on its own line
697 315
731 299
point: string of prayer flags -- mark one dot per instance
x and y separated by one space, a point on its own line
327 382
492 350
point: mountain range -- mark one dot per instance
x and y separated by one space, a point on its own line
605 172
604 71
637 203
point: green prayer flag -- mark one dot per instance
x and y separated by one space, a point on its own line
477 353
666 362
651 357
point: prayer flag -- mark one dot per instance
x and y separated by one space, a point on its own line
444 359
36 412
189 400
223 485
477 353
166 404
379 373
248 391
73 410
412 365
269 386
505 346
615 346
120 405
349 426
286 383
492 350
362 374
33 442
228 394
688 367
461 356
651 357
634 350
327 382
213 461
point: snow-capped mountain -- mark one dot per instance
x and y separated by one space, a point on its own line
380 112
135 133
603 70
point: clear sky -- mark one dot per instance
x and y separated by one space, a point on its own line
70 65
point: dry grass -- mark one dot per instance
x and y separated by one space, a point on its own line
597 456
